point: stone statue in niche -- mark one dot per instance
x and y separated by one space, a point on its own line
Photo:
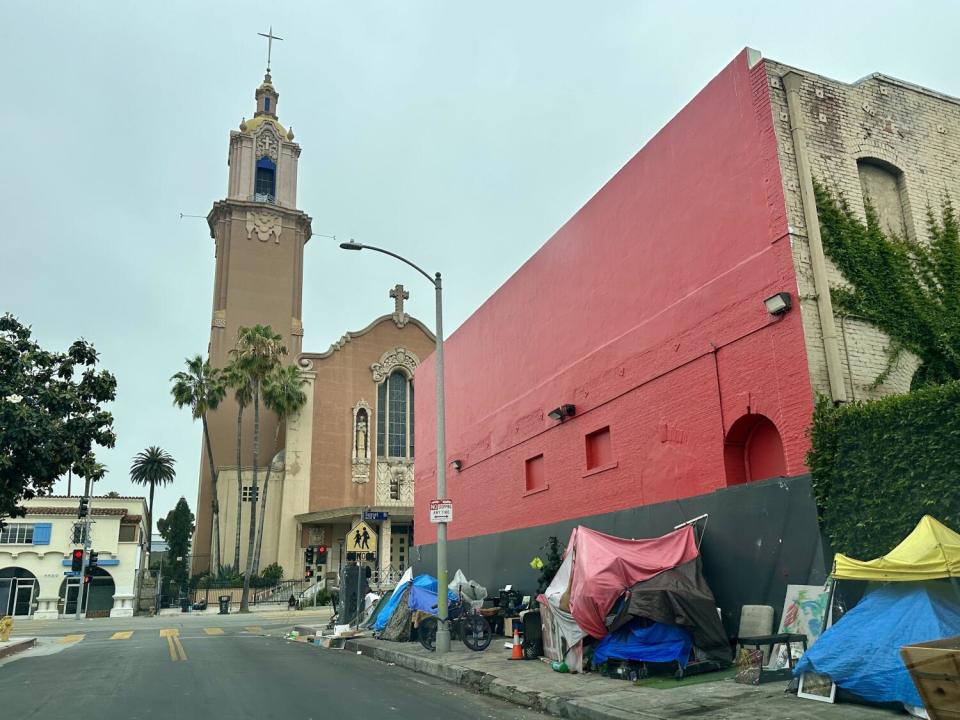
361 443
361 434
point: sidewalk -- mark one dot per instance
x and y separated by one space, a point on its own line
592 697
15 645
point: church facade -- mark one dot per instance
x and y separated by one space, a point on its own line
351 447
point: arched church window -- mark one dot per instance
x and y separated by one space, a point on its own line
883 187
395 416
266 104
265 182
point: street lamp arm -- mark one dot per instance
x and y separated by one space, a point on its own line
352 245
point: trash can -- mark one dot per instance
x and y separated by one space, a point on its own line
224 604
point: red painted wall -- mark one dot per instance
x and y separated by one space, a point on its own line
645 310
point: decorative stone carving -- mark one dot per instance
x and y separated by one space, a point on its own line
398 357
296 327
219 319
268 143
360 456
394 483
264 223
305 363
398 294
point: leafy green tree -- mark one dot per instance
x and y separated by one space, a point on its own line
201 388
258 353
282 394
909 290
150 468
50 415
238 380
272 574
177 529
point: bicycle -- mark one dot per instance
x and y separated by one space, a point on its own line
465 624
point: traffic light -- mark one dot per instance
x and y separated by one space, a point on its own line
77 560
308 573
308 555
84 507
92 559
321 555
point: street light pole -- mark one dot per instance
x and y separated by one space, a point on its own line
443 628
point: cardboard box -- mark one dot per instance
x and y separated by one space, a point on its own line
509 624
935 669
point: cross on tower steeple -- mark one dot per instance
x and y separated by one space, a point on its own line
399 295
270 38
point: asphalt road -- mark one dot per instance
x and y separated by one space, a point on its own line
208 667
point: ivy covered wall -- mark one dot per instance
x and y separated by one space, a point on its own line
879 466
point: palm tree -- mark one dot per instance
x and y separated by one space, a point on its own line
259 351
201 388
283 394
237 379
151 467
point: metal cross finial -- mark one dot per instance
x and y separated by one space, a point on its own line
399 295
270 38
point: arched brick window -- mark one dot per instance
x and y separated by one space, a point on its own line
753 450
882 185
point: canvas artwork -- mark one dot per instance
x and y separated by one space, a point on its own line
804 612
749 663
814 686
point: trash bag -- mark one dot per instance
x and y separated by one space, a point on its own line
471 590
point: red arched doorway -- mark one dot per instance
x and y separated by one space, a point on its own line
753 450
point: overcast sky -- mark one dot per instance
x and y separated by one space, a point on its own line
459 134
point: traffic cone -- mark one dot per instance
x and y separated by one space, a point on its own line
517 653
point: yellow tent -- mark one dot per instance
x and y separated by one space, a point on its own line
930 552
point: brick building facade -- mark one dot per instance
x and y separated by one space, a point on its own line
653 312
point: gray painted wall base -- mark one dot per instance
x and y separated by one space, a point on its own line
759 538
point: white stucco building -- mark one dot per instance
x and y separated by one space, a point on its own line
35 555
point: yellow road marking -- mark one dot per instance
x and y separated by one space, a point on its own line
172 648
183 653
254 629
169 632
71 639
213 631
123 635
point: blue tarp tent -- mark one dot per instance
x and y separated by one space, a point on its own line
861 653
655 643
423 594
387 611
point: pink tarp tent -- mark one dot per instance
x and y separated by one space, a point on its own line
604 567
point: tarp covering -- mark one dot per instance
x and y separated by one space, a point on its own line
861 653
604 566
384 614
645 642
561 634
397 627
930 552
680 597
423 594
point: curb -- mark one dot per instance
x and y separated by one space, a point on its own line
16 646
488 684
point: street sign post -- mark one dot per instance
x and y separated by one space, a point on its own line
441 511
71 573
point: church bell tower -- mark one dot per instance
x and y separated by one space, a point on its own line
259 236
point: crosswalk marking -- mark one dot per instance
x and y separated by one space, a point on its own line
122 635
213 631
66 639
169 632
254 629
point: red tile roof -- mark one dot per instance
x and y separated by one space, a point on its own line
71 510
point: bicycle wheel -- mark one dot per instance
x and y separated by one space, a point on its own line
427 633
476 633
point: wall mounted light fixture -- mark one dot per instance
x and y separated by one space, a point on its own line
456 465
563 412
778 304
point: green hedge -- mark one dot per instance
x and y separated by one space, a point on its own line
879 466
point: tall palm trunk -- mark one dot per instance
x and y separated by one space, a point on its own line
263 509
145 553
214 502
245 597
236 546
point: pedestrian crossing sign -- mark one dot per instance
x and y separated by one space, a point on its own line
362 539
